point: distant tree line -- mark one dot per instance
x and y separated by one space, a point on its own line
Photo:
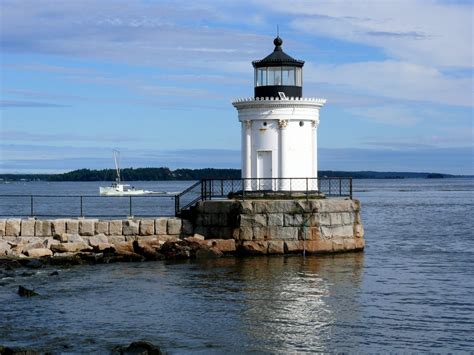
160 174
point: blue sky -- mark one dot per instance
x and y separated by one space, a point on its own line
155 79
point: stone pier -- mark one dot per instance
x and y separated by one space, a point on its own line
212 228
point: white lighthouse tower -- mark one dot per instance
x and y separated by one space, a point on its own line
279 127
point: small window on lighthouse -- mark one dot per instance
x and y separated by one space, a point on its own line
265 124
301 123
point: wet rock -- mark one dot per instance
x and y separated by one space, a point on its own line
39 253
138 348
176 250
205 252
254 248
18 351
70 247
148 248
24 292
54 273
33 263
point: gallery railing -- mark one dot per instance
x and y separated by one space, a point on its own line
208 189
67 206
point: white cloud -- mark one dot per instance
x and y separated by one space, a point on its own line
419 31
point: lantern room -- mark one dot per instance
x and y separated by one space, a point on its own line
278 74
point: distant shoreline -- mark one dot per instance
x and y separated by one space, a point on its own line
166 174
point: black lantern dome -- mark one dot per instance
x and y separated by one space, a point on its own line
278 72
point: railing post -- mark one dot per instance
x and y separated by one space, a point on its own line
291 186
130 206
222 187
82 214
307 192
243 189
329 180
340 186
31 206
176 205
350 188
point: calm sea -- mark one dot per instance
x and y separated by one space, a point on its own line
411 290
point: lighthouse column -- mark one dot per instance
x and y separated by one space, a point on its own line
282 153
314 151
247 153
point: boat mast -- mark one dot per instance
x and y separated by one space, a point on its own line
117 166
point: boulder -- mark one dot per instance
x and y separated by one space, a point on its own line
138 348
188 228
2 227
124 248
319 246
205 252
115 227
28 228
161 226
13 227
5 248
147 227
43 229
254 247
72 226
39 252
58 226
24 292
102 227
148 248
130 227
293 246
87 227
75 238
70 247
224 245
98 239
276 247
174 226
176 250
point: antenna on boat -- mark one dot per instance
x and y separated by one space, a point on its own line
117 164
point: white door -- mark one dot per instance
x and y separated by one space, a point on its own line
264 170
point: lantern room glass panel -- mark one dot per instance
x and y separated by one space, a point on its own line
299 81
274 76
288 75
261 76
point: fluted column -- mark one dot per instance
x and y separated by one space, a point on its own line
247 152
283 154
314 153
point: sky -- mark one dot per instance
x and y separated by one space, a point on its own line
156 79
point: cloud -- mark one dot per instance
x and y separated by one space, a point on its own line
418 31
27 104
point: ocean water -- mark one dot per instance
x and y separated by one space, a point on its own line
410 291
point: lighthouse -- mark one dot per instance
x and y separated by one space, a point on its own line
279 126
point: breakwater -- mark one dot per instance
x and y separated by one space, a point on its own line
210 229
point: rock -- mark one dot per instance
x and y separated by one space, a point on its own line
28 246
113 239
98 239
18 351
187 228
61 237
124 248
176 250
54 273
319 246
39 253
147 248
70 247
102 227
5 248
224 245
205 252
293 246
130 227
147 227
2 227
28 228
87 227
43 229
115 227
24 292
198 236
50 241
58 226
174 226
275 219
33 263
13 227
75 238
72 226
254 248
138 348
161 225
276 247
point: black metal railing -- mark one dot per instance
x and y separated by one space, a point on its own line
66 206
208 189
59 206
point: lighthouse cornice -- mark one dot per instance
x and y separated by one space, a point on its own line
276 102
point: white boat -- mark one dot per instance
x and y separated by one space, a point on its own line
119 189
